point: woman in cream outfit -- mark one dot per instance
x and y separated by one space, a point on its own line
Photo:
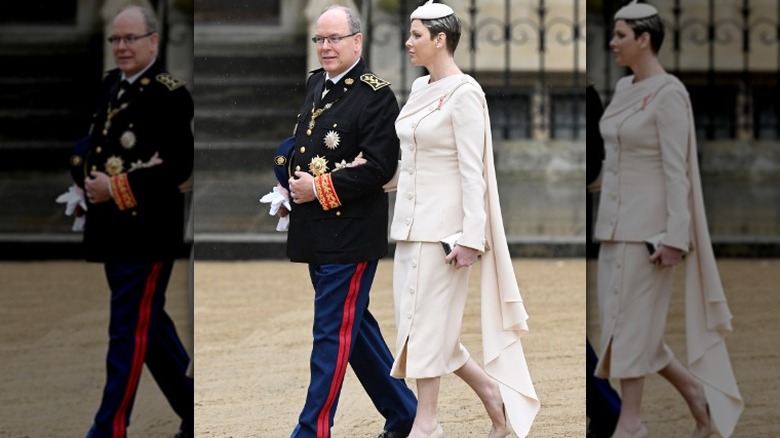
446 185
651 191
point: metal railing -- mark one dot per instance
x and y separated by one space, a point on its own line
524 103
732 98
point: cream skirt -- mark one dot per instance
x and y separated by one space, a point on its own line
633 296
430 297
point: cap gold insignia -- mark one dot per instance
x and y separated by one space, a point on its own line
114 165
75 160
349 81
280 160
332 140
318 166
127 140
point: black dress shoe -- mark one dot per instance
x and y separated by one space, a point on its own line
182 434
392 434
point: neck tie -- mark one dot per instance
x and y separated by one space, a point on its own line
123 86
325 90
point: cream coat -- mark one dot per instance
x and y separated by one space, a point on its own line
447 183
651 184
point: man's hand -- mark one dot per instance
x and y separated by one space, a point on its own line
462 256
97 187
302 188
666 256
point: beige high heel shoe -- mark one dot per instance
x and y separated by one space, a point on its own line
640 433
438 433
707 431
505 431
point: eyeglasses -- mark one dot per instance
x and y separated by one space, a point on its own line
333 39
127 39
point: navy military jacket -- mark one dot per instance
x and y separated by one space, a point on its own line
145 221
348 223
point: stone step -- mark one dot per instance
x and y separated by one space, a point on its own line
244 124
251 62
34 155
213 92
47 92
244 156
43 124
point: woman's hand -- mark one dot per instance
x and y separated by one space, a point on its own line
666 256
462 256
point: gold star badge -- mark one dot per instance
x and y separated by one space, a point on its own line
114 165
318 166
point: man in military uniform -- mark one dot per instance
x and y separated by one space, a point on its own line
338 223
140 151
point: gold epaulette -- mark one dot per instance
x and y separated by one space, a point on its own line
374 82
169 81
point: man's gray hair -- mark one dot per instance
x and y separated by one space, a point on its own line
150 19
353 18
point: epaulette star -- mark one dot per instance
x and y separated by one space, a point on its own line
374 82
169 81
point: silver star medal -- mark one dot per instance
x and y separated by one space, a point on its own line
332 140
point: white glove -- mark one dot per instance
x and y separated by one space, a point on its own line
277 199
73 198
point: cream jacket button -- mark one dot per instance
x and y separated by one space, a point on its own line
414 264
303 149
408 196
411 290
408 221
409 315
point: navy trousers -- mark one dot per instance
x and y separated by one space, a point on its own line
603 402
346 332
140 331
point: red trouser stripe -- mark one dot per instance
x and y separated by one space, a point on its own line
141 337
345 344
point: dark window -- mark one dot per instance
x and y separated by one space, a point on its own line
567 114
510 113
714 111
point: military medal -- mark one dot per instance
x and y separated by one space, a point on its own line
111 113
114 165
318 166
316 113
341 165
332 140
127 140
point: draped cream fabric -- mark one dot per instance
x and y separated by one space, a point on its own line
445 128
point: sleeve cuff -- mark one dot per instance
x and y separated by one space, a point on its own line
123 195
326 192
